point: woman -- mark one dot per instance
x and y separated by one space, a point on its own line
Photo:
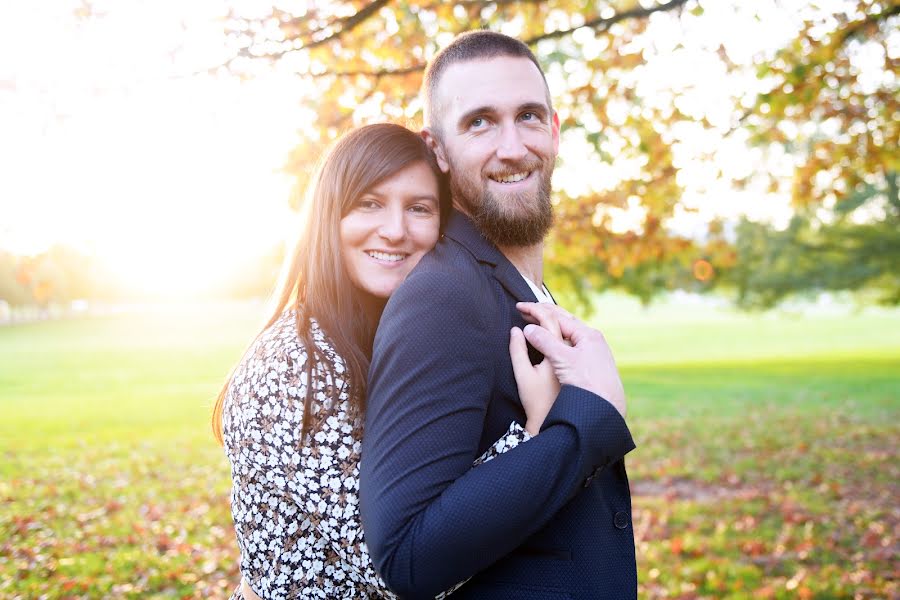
290 415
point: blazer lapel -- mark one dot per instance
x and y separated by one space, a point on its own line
461 229
510 278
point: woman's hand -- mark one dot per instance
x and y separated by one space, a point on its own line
537 384
581 359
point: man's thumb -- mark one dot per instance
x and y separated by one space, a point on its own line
543 341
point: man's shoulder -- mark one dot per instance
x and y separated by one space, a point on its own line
448 256
447 281
449 266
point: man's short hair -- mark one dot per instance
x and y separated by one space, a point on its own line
472 45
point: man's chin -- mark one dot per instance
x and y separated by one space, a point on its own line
509 230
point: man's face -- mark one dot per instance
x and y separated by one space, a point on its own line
498 138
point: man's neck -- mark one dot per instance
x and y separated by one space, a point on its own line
529 260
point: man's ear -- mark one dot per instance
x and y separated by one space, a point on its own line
555 131
435 145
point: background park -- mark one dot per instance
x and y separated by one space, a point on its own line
727 213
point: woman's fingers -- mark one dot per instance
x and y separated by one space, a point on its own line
518 353
537 384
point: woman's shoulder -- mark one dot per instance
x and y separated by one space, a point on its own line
281 342
272 379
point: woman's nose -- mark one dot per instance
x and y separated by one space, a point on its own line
392 228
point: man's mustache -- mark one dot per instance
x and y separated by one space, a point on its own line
510 170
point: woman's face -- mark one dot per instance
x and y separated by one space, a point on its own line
390 228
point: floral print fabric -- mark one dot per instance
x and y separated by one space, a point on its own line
296 506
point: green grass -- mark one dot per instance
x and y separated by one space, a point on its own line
766 462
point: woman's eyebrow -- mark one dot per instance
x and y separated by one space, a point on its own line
430 197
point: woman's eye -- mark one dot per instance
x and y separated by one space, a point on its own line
366 203
421 209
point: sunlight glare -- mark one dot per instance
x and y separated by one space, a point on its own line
169 180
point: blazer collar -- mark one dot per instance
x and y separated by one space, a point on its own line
461 229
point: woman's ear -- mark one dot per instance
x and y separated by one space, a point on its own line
435 145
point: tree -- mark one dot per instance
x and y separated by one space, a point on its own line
833 106
13 287
56 276
811 256
364 59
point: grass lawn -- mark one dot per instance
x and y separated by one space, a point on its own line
766 464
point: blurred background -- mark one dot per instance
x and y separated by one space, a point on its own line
727 212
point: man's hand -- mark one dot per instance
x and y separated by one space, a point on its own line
586 361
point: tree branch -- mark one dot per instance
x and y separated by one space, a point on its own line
601 24
349 24
482 3
853 30
414 68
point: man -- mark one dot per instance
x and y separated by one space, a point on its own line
551 518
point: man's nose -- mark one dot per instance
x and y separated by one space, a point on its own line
392 227
511 146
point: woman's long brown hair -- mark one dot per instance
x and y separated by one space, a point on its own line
314 281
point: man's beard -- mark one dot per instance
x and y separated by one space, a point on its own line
514 220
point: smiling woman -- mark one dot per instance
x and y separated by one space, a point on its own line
373 210
390 228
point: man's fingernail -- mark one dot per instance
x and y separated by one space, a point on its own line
529 328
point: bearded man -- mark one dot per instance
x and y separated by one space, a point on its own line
551 518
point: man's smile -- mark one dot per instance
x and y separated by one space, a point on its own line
511 178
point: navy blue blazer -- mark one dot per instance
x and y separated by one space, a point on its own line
549 519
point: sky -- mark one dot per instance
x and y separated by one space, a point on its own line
113 147
114 144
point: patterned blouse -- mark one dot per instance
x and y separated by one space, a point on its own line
296 506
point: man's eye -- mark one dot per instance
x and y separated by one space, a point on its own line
529 116
477 122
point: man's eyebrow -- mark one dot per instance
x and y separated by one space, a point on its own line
467 116
536 107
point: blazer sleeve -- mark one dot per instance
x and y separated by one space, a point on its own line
430 519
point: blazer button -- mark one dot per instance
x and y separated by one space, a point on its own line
621 520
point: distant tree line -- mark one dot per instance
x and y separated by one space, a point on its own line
58 275
62 275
